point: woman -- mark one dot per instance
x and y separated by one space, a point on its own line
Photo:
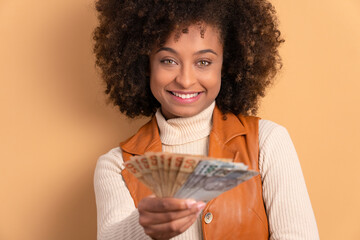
198 68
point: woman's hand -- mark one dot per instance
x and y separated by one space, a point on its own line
164 218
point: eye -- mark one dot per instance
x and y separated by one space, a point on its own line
168 61
203 63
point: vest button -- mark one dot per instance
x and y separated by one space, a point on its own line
208 217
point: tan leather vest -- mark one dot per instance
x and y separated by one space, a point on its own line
238 213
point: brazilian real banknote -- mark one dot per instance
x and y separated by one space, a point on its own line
187 176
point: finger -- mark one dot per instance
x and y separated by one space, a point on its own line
151 204
187 225
190 222
172 229
151 218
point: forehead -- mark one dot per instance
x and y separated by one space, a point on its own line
195 37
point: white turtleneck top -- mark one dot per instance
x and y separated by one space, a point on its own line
285 195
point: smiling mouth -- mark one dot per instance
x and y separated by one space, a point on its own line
185 96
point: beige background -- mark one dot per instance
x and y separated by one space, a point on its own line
54 121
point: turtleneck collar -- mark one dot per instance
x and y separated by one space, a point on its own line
184 130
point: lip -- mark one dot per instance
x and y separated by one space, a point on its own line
185 100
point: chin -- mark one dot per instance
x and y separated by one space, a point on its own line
183 113
188 113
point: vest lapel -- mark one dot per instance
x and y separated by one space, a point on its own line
147 139
223 131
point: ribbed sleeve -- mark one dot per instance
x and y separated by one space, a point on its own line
284 191
117 216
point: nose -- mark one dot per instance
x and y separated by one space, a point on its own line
186 77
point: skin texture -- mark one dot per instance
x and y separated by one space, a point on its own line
164 218
187 66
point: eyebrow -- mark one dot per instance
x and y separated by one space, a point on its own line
197 53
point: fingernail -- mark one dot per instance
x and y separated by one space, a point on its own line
190 203
201 206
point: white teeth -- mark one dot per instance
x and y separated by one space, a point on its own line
185 96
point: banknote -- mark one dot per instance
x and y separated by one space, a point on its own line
206 168
187 167
187 176
208 174
211 186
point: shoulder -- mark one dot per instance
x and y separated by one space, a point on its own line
271 132
110 161
275 147
114 154
274 143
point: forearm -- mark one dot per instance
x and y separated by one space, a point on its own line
127 228
116 213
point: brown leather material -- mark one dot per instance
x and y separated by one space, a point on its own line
238 213
147 139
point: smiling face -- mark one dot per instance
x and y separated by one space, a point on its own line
185 75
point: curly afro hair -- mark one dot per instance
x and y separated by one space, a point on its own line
130 29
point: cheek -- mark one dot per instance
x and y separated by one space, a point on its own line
217 87
158 84
155 81
154 78
159 79
214 83
154 87
215 76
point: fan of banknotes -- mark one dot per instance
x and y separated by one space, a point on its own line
187 176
